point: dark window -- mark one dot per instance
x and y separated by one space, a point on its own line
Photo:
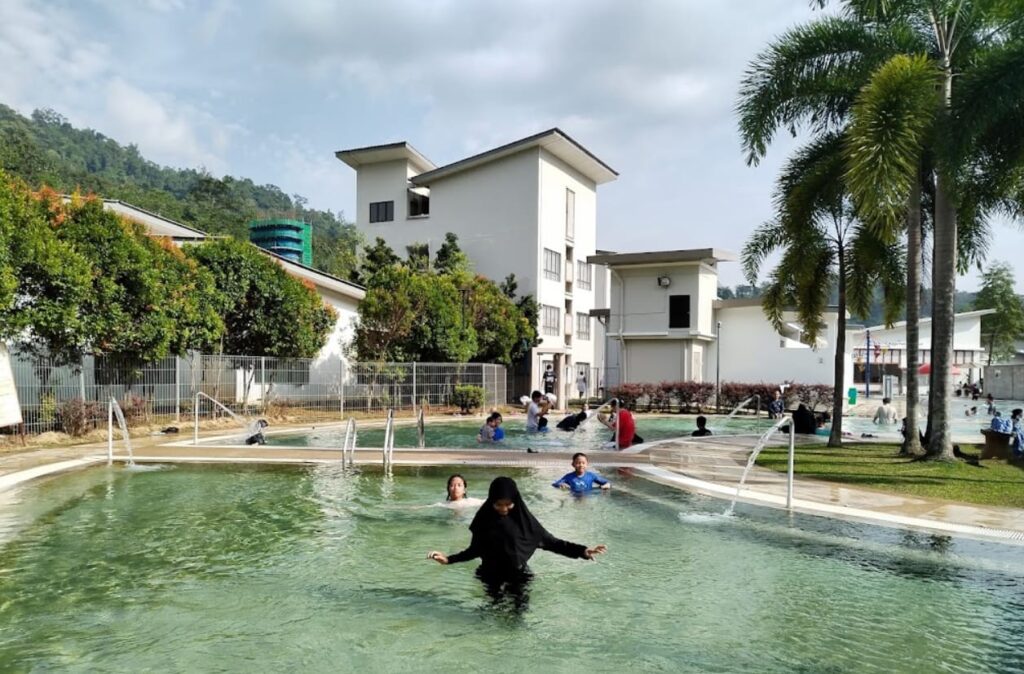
382 211
678 311
419 204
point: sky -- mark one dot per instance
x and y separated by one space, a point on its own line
269 90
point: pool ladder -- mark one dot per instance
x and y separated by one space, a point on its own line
348 449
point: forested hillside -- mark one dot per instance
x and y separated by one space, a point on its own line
46 150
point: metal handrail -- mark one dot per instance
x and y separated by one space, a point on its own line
421 430
389 440
195 414
349 449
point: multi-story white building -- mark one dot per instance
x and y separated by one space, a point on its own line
528 208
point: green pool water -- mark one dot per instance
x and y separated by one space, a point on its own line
462 434
318 570
592 435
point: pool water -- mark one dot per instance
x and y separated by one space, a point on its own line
315 569
463 433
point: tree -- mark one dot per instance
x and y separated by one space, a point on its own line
1001 329
450 259
530 312
43 280
823 245
910 115
266 312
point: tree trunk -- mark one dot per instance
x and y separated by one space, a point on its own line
912 446
940 441
835 438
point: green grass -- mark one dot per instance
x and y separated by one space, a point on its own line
875 466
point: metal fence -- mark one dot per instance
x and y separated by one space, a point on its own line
299 388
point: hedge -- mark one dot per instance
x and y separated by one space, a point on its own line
691 396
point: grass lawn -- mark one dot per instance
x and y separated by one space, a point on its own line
874 466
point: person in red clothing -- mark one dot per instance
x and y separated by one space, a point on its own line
626 434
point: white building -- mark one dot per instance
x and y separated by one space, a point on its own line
665 323
528 208
342 296
884 350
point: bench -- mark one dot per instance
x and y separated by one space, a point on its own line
997 445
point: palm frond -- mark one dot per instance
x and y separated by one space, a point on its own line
890 124
765 239
811 183
810 76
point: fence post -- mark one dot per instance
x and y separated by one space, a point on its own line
110 431
177 391
81 379
414 386
263 383
341 366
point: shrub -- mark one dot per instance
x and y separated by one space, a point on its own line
78 416
467 397
135 409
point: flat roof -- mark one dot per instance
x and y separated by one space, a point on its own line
741 302
554 140
710 255
373 154
928 319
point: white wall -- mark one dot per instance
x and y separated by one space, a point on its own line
751 351
326 364
385 181
658 360
646 303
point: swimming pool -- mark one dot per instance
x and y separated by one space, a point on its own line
462 434
315 569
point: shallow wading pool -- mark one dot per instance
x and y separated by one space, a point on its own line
215 568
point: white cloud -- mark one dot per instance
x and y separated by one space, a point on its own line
165 131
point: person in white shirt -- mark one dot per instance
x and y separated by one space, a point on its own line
581 384
536 410
885 414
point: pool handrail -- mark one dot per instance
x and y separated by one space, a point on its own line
348 449
195 414
389 440
421 431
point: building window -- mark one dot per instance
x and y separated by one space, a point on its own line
570 214
678 311
549 319
419 205
583 326
583 278
382 211
552 265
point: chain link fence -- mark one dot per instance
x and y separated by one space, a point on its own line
296 389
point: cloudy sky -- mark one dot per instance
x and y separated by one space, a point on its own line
269 89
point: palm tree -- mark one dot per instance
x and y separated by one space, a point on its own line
810 78
910 111
824 247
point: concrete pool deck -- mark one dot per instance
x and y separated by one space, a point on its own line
709 466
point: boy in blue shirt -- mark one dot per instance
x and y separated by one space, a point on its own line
580 480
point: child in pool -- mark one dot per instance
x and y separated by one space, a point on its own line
580 480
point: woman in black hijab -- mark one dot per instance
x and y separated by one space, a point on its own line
505 536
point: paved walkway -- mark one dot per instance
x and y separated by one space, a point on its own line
707 465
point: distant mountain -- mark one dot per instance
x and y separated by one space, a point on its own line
46 150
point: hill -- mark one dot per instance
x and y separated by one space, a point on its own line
45 149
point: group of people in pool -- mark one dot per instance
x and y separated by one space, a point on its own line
505 534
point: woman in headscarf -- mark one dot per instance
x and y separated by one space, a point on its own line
505 536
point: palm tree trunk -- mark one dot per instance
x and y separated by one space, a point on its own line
912 445
835 438
940 442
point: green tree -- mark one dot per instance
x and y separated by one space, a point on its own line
529 310
1001 329
450 259
43 279
377 258
823 245
265 311
953 107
